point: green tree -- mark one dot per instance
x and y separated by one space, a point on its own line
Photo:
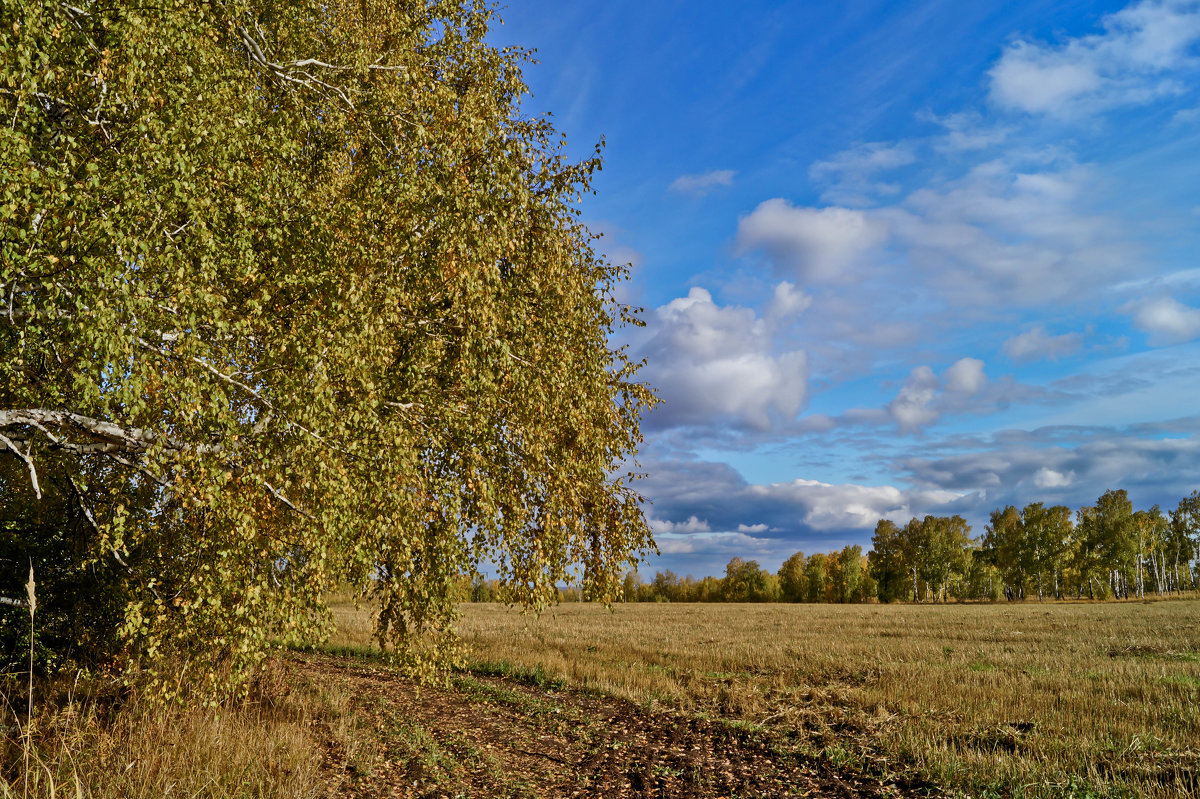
913 545
816 574
793 587
1116 539
1185 537
947 553
1048 534
848 582
886 561
292 294
746 581
1006 547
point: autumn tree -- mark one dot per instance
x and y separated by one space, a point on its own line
1185 539
291 294
849 575
946 556
793 586
885 561
746 581
1047 534
1005 545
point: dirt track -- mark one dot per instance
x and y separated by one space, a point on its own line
496 737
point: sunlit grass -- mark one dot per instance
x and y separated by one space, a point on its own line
1027 699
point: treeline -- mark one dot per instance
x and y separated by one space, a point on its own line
1100 551
841 576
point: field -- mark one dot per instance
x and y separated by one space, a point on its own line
1007 699
665 700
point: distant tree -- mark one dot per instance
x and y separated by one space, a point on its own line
946 559
816 575
914 541
1185 537
848 582
1149 532
1116 539
1005 545
887 561
1048 532
746 581
631 586
793 586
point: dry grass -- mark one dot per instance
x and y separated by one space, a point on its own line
1020 699
268 747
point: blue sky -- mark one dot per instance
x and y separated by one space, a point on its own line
896 258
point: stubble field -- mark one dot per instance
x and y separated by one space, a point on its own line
1011 699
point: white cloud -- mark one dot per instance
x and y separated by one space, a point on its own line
965 376
788 510
913 406
1129 63
703 183
1011 234
715 544
1048 478
715 364
691 525
1036 344
924 398
828 506
965 132
812 244
852 175
1167 320
787 302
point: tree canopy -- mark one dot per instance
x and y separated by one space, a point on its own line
292 295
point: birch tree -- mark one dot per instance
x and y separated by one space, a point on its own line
292 295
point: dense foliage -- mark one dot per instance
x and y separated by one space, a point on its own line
291 295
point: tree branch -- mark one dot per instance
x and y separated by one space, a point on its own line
12 445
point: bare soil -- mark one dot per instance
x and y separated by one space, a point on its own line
494 736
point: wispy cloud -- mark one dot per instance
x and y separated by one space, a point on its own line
703 183
1036 344
852 177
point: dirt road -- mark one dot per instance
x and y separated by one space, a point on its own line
488 736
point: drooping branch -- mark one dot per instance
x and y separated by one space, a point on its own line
33 478
103 436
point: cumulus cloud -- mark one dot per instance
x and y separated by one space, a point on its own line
1131 62
965 376
790 510
1035 344
690 525
1167 320
913 408
716 364
703 183
1048 478
924 397
787 302
1073 471
827 507
811 244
